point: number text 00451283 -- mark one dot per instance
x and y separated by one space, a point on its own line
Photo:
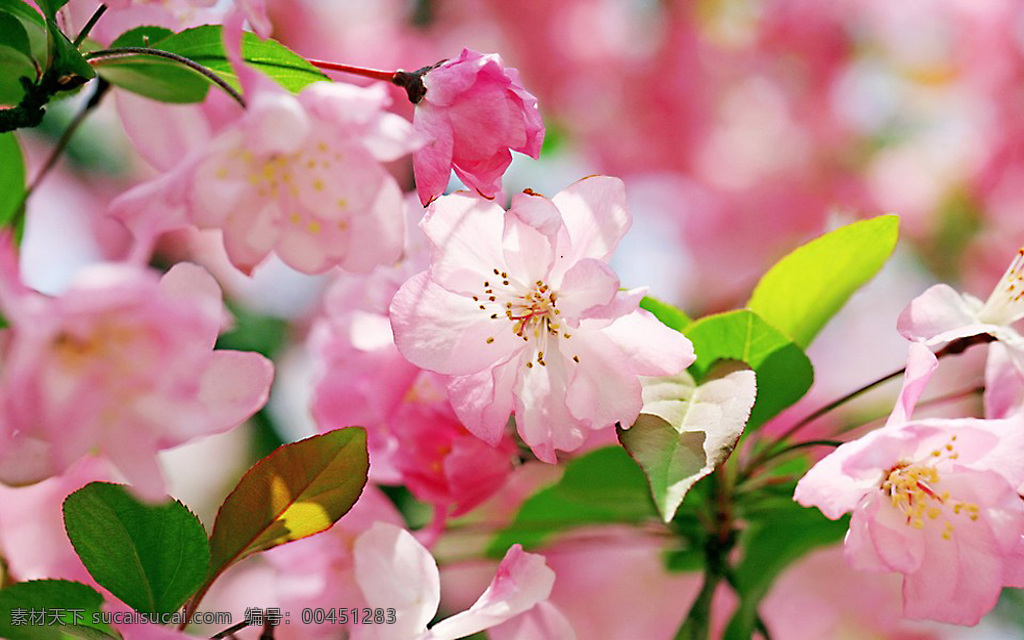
346 615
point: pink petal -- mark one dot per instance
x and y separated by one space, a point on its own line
858 548
595 215
830 487
588 284
921 364
522 581
194 285
255 12
377 236
432 164
394 571
444 332
249 241
961 578
1004 383
939 314
542 416
449 81
538 212
899 546
650 348
543 622
162 133
234 386
483 401
528 252
602 390
134 454
465 231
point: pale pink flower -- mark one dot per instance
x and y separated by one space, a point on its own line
941 315
296 175
474 111
821 596
121 365
936 500
393 570
415 438
525 315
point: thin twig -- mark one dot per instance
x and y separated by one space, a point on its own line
93 19
124 52
62 143
230 631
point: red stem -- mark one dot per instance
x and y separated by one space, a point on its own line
376 74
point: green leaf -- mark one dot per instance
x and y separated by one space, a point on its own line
153 557
50 7
807 287
168 81
300 489
34 26
684 431
67 63
784 374
155 78
602 487
205 45
773 541
141 37
15 59
12 178
57 597
668 315
14 36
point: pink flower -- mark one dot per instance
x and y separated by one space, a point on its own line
940 314
936 500
394 570
415 438
525 315
474 111
120 365
300 176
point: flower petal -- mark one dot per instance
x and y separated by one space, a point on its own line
595 215
523 580
465 231
444 332
938 315
394 571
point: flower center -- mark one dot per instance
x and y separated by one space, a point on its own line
531 309
913 488
1006 304
296 181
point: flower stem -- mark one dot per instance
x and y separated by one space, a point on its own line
411 81
62 143
955 347
95 57
834 405
93 19
373 74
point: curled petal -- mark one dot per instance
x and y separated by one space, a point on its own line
523 580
